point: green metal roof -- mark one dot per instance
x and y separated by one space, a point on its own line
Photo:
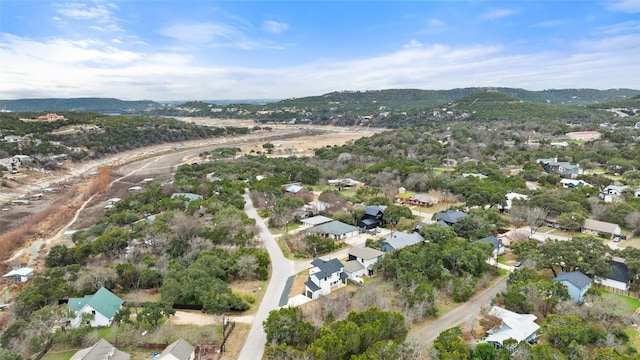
103 301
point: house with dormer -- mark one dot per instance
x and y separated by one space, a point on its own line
372 217
97 309
324 276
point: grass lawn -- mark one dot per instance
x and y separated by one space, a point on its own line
632 303
508 258
59 354
633 242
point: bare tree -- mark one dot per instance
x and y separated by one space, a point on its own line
534 216
518 214
597 208
247 265
633 221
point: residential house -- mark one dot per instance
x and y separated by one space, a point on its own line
101 350
315 221
324 276
19 275
361 261
497 245
449 162
562 168
613 193
596 227
12 138
111 203
449 217
475 175
619 280
292 188
178 350
583 135
576 283
372 217
520 327
513 196
316 206
572 184
345 183
422 200
398 240
188 197
103 305
336 230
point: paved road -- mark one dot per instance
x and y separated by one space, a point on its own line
281 269
463 314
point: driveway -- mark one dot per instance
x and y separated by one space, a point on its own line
464 314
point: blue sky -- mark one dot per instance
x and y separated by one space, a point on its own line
168 50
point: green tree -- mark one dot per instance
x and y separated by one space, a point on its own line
572 221
152 313
437 233
393 214
449 345
287 326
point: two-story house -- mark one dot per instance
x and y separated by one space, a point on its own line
372 217
99 307
613 193
361 261
324 275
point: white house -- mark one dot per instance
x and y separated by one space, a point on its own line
513 196
178 350
323 277
520 327
103 305
19 275
612 193
361 261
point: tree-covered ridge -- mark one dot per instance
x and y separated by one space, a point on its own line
92 135
94 104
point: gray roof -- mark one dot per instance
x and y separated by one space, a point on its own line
601 226
422 198
180 349
493 241
311 285
327 267
366 253
400 240
189 196
101 350
619 272
333 228
577 278
352 266
316 220
450 216
374 209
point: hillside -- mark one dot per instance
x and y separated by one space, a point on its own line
100 105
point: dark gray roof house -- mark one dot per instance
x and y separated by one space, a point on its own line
449 217
327 267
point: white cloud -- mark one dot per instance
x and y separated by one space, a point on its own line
274 27
433 22
623 27
81 11
629 6
497 14
413 44
61 67
551 23
199 33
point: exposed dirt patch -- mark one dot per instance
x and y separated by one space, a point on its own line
182 317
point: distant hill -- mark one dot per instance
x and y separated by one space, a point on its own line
100 105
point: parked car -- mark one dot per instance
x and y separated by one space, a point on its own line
518 264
